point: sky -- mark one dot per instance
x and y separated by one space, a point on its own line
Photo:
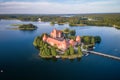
59 6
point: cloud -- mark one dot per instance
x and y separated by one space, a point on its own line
58 8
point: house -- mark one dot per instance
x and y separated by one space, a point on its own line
39 19
57 39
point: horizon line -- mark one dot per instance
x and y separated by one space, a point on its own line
60 13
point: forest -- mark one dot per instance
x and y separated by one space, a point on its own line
106 19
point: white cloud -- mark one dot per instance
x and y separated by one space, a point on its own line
58 8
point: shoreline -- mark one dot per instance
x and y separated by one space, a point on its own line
74 56
71 25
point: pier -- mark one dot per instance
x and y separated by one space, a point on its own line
105 55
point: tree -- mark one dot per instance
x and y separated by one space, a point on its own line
68 52
52 23
66 35
42 52
53 51
92 40
66 30
38 42
97 39
65 53
71 50
35 42
86 39
72 32
79 50
46 49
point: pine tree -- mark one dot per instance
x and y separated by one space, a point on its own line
79 50
71 50
53 51
68 52
92 40
65 53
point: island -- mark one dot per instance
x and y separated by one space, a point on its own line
24 26
27 27
63 44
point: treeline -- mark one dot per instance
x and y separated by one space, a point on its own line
20 17
112 19
71 52
90 41
44 18
103 20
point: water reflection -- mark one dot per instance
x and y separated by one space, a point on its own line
27 31
53 59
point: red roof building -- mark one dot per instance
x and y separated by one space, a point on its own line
61 44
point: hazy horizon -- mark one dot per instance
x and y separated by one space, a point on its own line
59 6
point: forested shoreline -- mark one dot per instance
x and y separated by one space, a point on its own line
108 19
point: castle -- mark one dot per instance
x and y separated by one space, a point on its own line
57 39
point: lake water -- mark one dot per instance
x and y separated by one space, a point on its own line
19 59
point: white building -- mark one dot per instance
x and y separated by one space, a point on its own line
39 19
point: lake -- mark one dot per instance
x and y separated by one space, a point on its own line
19 59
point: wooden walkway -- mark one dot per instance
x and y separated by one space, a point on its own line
105 55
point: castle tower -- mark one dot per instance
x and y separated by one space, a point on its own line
54 30
56 33
78 39
44 37
53 33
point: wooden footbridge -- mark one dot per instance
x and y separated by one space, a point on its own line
105 55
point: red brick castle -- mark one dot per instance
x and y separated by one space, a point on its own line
57 39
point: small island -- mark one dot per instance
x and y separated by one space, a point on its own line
63 44
25 26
